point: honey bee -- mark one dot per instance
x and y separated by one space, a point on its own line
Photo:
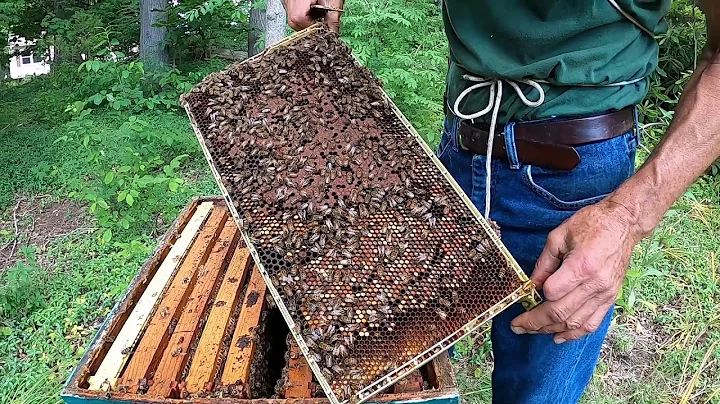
327 374
444 302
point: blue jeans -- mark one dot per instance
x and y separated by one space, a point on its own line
528 202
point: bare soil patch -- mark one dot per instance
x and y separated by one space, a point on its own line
36 221
631 351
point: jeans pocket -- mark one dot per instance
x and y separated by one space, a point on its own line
550 195
603 167
445 143
446 140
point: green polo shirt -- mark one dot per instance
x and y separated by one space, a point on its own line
577 45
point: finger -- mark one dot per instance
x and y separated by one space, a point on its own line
332 18
551 257
298 13
577 319
592 324
568 277
551 313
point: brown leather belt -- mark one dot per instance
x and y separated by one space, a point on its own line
549 144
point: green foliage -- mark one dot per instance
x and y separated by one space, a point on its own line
126 86
79 30
678 55
109 80
645 264
197 26
18 292
385 37
130 187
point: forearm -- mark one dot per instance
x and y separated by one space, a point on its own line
690 145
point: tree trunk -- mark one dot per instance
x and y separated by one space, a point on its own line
258 27
152 37
276 22
60 12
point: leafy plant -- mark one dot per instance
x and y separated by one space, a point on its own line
645 264
384 37
18 294
130 191
197 26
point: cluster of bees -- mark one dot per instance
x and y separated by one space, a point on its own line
348 214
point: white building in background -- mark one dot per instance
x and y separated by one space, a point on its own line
31 65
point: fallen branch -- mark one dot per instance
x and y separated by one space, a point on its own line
15 226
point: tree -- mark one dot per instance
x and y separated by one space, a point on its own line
258 27
276 18
153 17
266 20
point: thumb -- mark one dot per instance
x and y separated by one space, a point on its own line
551 256
333 17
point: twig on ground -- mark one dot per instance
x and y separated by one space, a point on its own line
70 233
15 226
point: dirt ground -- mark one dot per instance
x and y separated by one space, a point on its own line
631 351
36 222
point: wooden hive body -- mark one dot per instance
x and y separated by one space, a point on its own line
209 335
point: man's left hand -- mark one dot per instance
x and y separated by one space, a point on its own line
581 270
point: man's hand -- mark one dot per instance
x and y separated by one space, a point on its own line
592 250
298 12
584 261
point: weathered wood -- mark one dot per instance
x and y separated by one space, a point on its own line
175 356
156 336
411 383
229 54
118 353
242 347
443 373
299 384
205 361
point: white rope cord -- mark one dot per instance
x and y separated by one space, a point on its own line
496 92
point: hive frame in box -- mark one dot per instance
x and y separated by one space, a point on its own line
526 294
74 393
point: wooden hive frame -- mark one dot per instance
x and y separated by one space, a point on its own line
215 245
525 294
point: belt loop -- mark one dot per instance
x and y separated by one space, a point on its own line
636 112
510 146
455 138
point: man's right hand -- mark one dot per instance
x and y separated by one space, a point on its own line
298 12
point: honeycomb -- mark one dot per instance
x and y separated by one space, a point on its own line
373 254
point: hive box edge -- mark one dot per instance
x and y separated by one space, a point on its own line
71 393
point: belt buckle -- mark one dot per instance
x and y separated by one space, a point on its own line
472 132
462 144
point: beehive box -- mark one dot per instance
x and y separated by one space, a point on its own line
195 325
374 255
